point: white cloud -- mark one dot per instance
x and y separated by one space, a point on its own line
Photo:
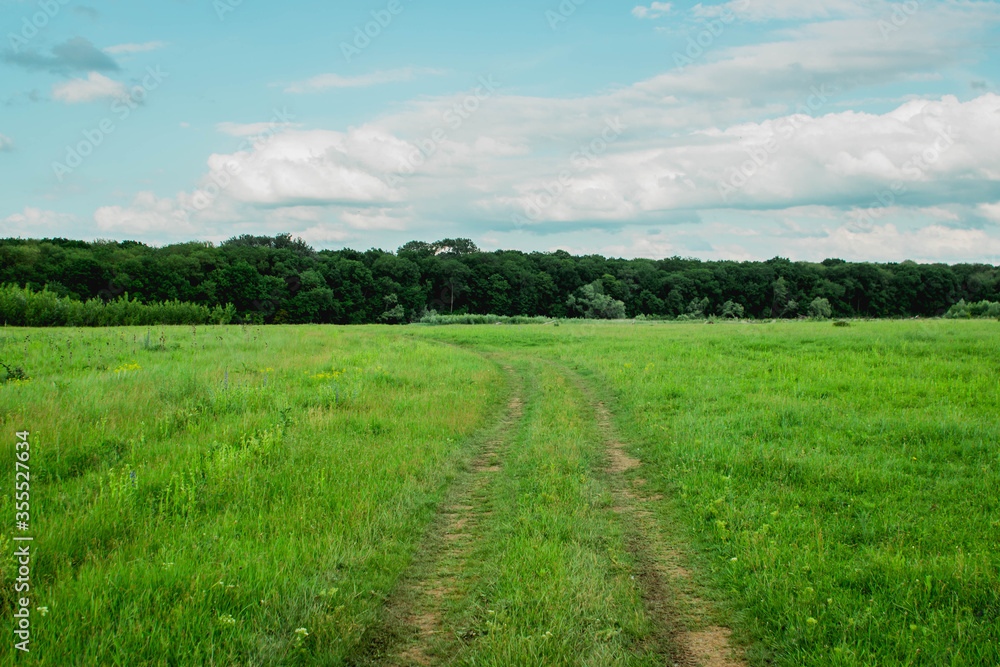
327 81
372 219
991 211
250 129
134 48
680 140
887 242
295 168
6 143
35 222
835 163
929 149
95 87
323 233
148 214
787 10
654 11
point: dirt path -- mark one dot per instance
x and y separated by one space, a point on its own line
412 631
668 592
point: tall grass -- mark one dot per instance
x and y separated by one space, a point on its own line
436 319
228 495
840 487
246 495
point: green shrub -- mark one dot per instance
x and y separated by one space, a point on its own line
24 307
982 309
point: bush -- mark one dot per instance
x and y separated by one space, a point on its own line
23 307
12 373
982 309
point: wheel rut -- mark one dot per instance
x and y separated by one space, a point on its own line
667 590
412 631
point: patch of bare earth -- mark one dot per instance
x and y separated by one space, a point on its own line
414 630
710 647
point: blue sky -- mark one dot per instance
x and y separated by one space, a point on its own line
859 129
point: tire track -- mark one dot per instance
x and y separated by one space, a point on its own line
412 631
667 590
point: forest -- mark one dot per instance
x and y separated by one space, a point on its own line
280 279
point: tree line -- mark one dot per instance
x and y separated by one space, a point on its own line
279 279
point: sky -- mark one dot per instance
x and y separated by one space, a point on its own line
858 129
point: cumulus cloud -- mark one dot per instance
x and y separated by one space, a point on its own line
926 153
35 222
930 243
6 143
923 151
323 82
95 87
378 218
147 214
134 48
310 167
682 150
654 11
323 233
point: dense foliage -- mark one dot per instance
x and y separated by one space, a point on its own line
24 307
280 279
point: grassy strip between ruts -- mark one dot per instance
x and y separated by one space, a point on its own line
549 581
227 495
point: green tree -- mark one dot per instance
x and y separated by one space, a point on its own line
498 295
732 310
394 312
779 304
697 307
820 309
591 301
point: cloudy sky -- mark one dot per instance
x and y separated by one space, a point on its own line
808 129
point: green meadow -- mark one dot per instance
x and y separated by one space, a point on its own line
581 493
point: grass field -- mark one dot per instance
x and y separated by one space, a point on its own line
590 493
